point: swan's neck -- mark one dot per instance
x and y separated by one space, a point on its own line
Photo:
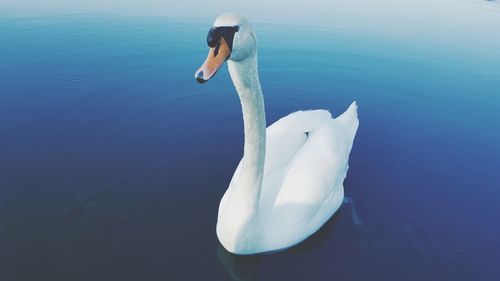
246 80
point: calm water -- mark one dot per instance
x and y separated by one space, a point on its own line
113 160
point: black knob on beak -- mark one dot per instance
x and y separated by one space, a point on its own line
199 77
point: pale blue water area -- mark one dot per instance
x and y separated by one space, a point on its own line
113 159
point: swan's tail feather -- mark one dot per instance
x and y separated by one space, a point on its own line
349 120
350 116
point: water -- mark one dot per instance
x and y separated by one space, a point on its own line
113 160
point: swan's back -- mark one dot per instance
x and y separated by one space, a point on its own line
310 134
288 134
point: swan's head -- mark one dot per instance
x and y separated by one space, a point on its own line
230 38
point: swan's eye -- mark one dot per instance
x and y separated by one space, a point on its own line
215 33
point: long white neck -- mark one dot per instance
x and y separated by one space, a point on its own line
239 227
246 80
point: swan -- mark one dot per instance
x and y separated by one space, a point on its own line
289 181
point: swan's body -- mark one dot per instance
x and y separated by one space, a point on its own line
290 179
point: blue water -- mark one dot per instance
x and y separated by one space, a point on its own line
113 160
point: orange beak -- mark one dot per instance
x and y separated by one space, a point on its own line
215 59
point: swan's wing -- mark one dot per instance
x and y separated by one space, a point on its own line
316 172
288 134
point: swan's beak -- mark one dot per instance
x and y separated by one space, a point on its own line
215 59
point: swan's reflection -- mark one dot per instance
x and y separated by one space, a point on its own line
239 268
244 268
361 237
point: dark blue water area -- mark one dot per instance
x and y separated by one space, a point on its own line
113 160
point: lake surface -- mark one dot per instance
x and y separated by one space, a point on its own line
113 159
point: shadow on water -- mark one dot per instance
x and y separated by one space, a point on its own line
238 268
245 268
345 232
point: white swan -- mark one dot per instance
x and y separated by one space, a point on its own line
290 179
